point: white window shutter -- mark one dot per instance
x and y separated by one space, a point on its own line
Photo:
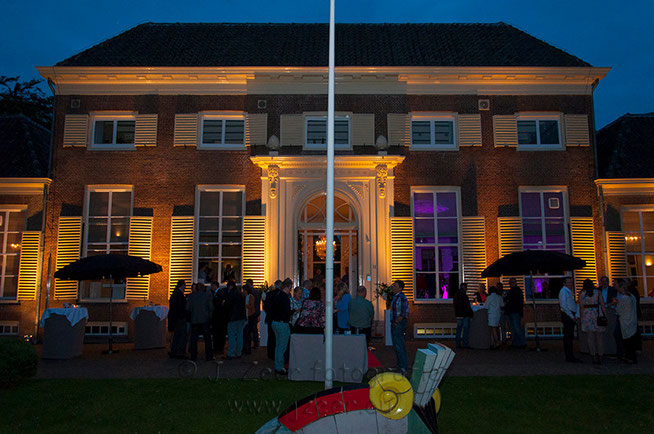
510 241
69 243
399 129
186 130
256 129
145 131
505 130
402 253
616 249
29 268
254 248
292 130
469 129
577 130
473 242
181 251
583 246
76 130
140 244
362 129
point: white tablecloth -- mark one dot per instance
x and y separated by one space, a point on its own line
160 311
73 314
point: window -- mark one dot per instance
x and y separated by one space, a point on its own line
113 131
436 243
638 226
107 231
12 225
220 222
433 132
223 132
543 132
544 226
316 132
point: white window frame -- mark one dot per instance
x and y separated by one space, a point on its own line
437 189
566 227
323 146
221 116
115 117
642 253
537 117
431 118
3 248
196 242
87 197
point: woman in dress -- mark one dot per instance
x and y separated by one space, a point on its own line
591 306
312 315
494 304
343 308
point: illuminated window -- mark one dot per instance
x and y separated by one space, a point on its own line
638 226
12 225
107 215
220 222
222 132
544 227
316 132
437 246
433 132
539 132
113 132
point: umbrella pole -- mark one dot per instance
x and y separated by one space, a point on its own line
111 311
533 303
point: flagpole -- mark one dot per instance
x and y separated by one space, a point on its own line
329 266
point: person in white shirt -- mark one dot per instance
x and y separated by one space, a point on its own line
494 304
568 307
628 314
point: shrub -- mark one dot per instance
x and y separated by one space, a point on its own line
18 361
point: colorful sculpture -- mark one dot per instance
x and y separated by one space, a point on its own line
389 403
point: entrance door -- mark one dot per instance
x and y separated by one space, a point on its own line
312 241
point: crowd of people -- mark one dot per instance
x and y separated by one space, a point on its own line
590 310
229 315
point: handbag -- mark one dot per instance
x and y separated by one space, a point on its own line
602 321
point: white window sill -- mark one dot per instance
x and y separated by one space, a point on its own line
321 147
112 148
212 147
540 148
434 148
102 301
9 301
427 302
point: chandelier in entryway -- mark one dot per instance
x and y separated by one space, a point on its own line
321 247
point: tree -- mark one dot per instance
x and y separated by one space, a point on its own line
27 98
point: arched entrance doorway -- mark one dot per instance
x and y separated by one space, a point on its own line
312 239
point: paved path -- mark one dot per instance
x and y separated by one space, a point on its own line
129 363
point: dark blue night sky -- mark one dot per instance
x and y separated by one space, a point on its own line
603 33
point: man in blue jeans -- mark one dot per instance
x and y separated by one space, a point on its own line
399 316
463 313
514 307
280 315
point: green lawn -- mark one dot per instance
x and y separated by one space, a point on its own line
563 404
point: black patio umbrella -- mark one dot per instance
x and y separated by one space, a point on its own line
533 262
112 267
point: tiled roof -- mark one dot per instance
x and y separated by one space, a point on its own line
24 146
225 44
625 147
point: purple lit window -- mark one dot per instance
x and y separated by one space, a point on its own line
436 238
543 221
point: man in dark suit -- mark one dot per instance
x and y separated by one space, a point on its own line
219 319
610 297
267 306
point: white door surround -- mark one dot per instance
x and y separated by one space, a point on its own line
365 182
